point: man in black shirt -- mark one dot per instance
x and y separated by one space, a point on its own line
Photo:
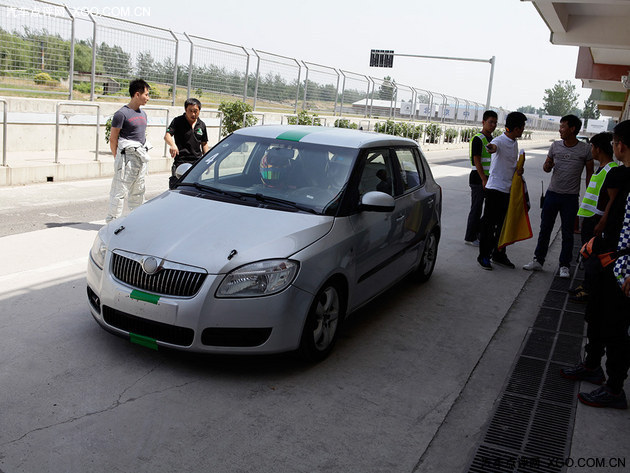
187 137
608 309
480 160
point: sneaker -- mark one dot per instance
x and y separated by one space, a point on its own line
503 260
603 397
580 372
472 243
564 272
581 297
484 262
533 265
576 290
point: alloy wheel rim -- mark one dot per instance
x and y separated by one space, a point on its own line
327 317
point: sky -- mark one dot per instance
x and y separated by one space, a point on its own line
341 33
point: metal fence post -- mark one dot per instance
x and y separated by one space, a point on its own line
175 68
336 93
71 65
190 65
246 74
4 131
297 92
257 77
343 91
305 86
370 80
93 72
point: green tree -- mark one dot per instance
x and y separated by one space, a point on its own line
116 62
234 116
527 109
386 89
561 99
83 58
590 109
145 66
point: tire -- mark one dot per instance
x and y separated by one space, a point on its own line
428 259
322 324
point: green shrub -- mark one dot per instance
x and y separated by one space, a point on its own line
450 134
385 127
83 87
497 132
234 114
108 129
433 132
345 123
404 129
466 134
154 92
43 78
305 118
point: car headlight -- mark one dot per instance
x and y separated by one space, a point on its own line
98 251
258 279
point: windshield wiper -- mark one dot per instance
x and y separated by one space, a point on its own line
204 188
275 200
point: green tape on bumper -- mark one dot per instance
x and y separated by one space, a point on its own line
143 296
143 341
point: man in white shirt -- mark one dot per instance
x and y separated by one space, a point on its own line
502 167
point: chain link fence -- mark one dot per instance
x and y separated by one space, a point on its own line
49 49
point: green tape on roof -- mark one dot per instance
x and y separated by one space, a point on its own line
143 341
143 296
293 135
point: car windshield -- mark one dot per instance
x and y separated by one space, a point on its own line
283 174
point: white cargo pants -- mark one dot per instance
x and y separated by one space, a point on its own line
129 177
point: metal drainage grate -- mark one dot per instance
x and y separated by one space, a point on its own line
547 319
533 421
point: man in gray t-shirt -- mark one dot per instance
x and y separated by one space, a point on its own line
566 158
128 143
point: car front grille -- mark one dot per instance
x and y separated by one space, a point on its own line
167 281
172 334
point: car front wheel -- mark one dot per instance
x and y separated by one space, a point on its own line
322 324
429 257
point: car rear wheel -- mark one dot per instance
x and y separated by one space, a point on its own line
322 324
428 259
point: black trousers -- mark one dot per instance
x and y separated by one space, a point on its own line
495 209
588 230
608 317
473 227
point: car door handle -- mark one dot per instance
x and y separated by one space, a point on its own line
400 217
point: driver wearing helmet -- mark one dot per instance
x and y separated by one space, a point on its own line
276 168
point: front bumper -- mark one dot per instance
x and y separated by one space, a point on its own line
202 323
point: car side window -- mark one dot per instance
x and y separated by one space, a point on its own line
411 171
377 173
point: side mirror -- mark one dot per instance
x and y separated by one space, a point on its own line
376 201
182 169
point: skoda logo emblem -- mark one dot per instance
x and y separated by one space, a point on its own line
150 265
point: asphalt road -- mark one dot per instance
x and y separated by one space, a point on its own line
408 387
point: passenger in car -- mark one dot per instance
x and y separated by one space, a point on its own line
386 183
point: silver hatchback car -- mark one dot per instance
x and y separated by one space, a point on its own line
268 242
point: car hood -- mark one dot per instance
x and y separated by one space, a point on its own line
203 232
